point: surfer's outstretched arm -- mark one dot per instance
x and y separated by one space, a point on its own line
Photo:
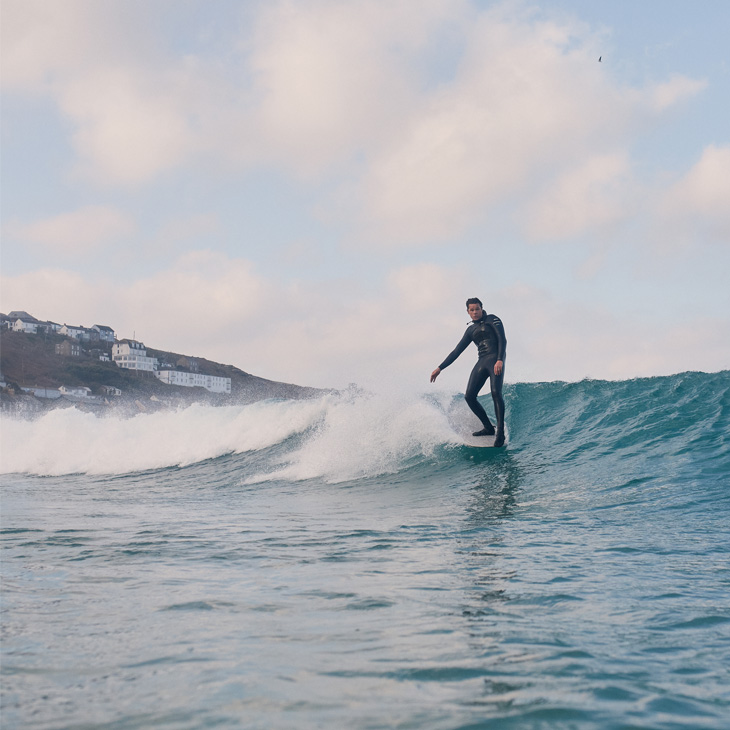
463 344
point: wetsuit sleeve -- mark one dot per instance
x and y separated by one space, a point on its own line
501 337
463 344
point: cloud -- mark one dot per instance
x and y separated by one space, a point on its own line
77 232
527 106
550 339
594 195
42 40
171 233
341 93
328 77
674 91
130 105
59 295
127 130
204 293
396 332
695 210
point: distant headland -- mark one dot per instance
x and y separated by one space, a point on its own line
44 365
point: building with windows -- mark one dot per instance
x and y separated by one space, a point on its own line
110 390
132 355
42 392
68 349
24 323
106 334
21 321
79 391
212 383
78 333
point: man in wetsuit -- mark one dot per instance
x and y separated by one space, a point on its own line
486 331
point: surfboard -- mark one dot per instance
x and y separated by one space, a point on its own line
463 423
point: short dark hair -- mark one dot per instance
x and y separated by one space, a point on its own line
474 300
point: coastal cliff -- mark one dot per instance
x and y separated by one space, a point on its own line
32 361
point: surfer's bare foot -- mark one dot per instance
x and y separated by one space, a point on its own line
486 431
499 441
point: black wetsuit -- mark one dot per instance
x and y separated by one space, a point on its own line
488 335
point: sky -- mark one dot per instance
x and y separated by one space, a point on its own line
309 190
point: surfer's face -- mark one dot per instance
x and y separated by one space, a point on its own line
475 312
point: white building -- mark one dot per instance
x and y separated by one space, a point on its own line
132 355
29 326
20 321
78 333
77 392
213 383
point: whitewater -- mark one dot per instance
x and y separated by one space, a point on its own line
347 562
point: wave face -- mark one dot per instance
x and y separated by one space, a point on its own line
339 438
348 562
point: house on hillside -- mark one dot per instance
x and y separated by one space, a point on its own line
67 348
78 391
132 355
42 392
106 334
189 363
212 383
21 321
24 322
110 390
96 354
78 333
51 328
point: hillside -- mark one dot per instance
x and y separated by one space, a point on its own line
31 360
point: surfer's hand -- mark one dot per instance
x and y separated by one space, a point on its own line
435 374
498 367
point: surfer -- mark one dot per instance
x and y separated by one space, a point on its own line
486 331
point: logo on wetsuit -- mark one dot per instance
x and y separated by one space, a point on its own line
485 336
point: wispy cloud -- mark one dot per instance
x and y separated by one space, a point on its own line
596 194
76 232
696 209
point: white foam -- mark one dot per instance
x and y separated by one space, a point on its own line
69 441
343 437
366 436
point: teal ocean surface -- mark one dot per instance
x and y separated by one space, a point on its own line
347 563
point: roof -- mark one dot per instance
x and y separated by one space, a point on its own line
132 343
20 314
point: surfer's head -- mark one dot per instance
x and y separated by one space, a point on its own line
474 307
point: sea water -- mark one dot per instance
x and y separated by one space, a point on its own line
345 562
